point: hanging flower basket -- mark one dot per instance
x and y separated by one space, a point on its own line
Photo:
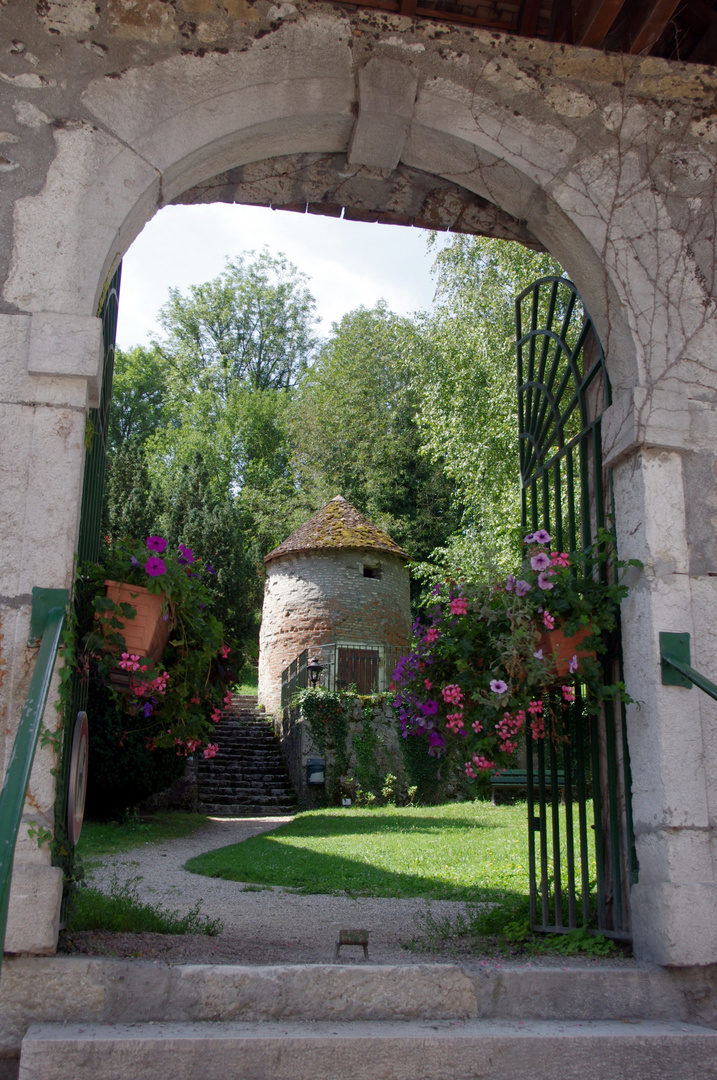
562 649
148 633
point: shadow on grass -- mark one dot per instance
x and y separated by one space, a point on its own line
339 823
276 859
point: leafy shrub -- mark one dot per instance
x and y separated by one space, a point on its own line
122 770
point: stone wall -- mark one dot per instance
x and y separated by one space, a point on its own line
320 597
298 744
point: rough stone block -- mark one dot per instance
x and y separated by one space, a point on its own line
97 196
387 94
33 920
69 346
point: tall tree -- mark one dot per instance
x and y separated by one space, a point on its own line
355 433
252 325
466 374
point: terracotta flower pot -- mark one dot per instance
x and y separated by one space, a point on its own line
148 633
562 649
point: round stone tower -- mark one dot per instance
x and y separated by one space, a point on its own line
337 586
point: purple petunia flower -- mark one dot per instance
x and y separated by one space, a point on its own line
544 582
210 569
538 655
155 567
573 665
521 587
156 543
529 538
133 561
509 583
186 555
429 707
541 561
542 536
498 686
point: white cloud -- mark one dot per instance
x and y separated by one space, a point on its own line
348 263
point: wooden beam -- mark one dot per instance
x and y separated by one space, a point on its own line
528 18
705 51
648 26
592 21
408 7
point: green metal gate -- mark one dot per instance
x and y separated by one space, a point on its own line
581 846
89 541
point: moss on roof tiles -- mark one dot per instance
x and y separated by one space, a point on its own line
336 525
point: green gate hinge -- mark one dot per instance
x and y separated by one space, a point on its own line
43 602
676 647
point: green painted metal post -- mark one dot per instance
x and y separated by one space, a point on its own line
48 618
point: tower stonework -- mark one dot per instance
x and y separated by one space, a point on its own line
337 579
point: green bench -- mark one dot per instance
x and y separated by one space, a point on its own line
518 778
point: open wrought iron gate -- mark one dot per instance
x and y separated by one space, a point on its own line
88 546
581 846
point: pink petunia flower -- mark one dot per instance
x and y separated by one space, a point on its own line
521 587
498 686
540 561
542 536
544 582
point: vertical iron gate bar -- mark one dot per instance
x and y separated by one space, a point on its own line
563 389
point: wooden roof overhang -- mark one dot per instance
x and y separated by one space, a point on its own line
683 30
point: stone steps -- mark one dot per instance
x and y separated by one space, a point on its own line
247 777
128 1020
366 1050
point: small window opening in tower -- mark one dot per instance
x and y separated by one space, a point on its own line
372 572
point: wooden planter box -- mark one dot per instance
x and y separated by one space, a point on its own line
554 643
148 633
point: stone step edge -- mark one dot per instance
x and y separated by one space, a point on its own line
98 989
395 1050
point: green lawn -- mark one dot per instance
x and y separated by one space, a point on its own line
458 851
100 838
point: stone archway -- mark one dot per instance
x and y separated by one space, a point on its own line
607 162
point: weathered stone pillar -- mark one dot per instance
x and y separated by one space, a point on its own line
654 441
50 372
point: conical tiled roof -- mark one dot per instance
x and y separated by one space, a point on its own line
336 525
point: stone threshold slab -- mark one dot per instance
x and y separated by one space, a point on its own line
408 1050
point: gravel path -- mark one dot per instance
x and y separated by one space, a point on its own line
275 925
269 926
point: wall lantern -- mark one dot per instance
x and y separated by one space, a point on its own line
314 669
315 771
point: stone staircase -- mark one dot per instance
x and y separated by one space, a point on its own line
247 778
99 1019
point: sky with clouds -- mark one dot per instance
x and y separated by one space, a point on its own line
348 263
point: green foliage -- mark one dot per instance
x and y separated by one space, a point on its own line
327 715
354 427
466 370
424 771
457 851
200 517
252 324
139 396
122 912
365 746
122 769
